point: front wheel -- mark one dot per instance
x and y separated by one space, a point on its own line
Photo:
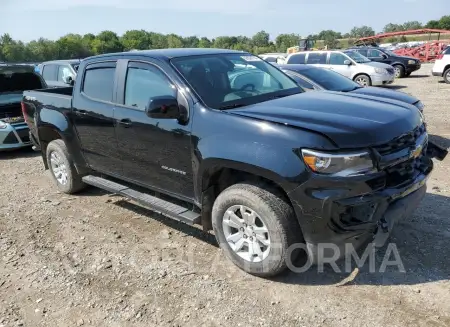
62 168
399 71
255 227
447 76
363 80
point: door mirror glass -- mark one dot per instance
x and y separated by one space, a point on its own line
68 80
347 62
163 107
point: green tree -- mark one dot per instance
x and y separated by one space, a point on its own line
444 23
191 42
106 42
261 39
204 42
388 28
174 41
135 39
412 25
433 24
284 41
362 31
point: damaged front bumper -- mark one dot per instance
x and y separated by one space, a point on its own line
361 209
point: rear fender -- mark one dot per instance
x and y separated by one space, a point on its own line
53 125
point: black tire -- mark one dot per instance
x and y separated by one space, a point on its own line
74 182
279 218
399 71
447 76
363 80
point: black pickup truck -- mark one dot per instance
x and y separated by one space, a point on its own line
264 164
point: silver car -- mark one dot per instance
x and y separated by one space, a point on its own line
348 63
14 132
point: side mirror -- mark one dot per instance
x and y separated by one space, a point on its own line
383 56
347 62
68 80
163 107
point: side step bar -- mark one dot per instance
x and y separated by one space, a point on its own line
166 208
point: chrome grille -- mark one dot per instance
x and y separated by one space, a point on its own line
405 141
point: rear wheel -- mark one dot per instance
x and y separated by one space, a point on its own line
363 80
447 76
255 226
399 71
62 168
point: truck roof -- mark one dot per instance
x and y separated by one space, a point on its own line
169 53
63 61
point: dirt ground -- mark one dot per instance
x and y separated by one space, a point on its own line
98 260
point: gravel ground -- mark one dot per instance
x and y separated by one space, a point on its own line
97 260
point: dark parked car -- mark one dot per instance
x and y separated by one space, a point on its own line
59 73
315 78
403 65
265 164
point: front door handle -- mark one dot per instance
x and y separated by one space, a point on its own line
125 122
81 112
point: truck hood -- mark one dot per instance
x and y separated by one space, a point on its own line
386 93
350 121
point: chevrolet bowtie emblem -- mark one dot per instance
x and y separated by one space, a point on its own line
417 151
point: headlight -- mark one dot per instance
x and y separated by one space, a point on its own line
380 71
411 62
339 164
3 124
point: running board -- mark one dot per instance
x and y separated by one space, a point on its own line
166 208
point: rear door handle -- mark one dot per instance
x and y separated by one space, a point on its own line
126 122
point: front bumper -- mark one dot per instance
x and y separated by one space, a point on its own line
354 211
14 136
382 79
413 68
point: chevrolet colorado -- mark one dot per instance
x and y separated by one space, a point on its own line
258 160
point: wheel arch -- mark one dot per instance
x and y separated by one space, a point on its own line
218 177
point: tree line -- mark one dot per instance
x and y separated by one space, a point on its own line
72 46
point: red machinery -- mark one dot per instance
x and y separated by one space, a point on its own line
425 52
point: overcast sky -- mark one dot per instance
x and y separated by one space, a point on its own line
31 19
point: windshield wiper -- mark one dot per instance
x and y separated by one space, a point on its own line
231 106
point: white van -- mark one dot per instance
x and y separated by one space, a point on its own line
349 63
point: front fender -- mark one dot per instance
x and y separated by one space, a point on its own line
279 164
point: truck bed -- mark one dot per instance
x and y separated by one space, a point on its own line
55 98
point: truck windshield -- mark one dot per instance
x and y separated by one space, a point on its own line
233 80
359 58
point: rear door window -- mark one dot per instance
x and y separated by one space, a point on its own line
337 59
297 59
317 58
49 72
362 51
373 53
98 83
